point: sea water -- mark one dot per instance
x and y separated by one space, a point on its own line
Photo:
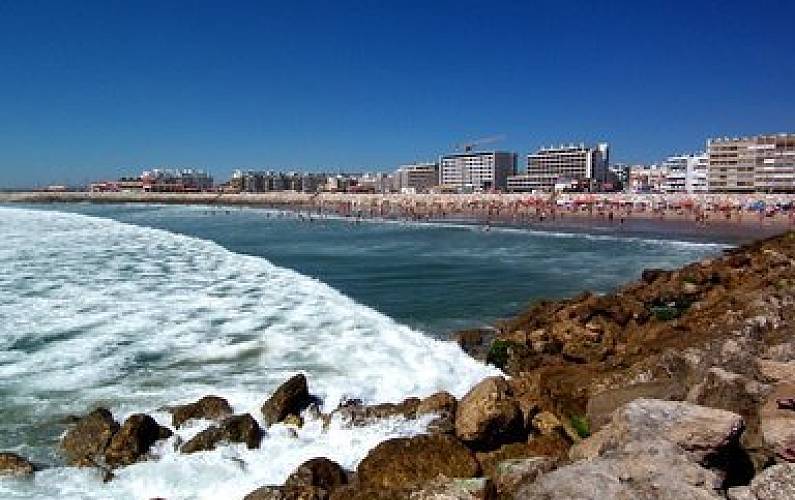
138 307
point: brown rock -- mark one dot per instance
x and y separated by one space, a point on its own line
510 475
318 472
12 464
602 405
488 415
778 425
134 439
235 429
444 405
401 462
287 493
489 460
85 443
291 397
208 407
774 483
443 488
357 414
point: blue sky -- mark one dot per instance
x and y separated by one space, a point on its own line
96 89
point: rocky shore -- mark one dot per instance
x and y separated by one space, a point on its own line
681 385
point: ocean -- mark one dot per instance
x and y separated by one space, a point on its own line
135 307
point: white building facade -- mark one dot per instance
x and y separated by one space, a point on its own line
685 173
578 167
477 171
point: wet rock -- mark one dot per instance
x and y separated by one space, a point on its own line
291 397
510 475
489 416
235 429
318 472
209 408
287 493
401 462
357 414
85 443
475 342
702 432
774 483
12 464
134 439
444 405
651 275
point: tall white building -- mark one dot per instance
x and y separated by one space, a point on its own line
477 171
576 167
685 173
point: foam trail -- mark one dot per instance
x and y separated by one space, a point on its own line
98 312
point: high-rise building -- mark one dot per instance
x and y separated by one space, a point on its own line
572 167
417 177
685 173
762 163
477 171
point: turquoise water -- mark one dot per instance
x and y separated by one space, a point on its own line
135 307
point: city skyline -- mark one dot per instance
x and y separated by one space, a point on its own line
100 88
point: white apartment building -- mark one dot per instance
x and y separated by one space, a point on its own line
578 167
417 177
477 171
685 173
762 163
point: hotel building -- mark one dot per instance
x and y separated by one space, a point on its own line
477 171
573 167
762 163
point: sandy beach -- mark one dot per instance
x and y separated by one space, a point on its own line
736 216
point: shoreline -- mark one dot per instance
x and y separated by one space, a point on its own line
487 210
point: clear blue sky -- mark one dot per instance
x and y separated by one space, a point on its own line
95 89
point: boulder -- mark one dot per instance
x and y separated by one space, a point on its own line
235 429
208 408
547 424
443 488
510 475
355 413
400 462
774 483
658 469
318 472
488 416
85 443
12 464
134 439
703 432
602 405
777 425
291 397
287 493
489 460
442 404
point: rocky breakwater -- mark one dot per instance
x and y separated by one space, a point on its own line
680 385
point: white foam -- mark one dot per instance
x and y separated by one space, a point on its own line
97 312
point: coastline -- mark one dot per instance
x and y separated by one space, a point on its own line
489 210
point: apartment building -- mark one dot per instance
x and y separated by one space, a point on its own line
572 167
685 173
762 163
477 171
417 177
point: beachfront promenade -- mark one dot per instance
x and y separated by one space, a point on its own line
703 209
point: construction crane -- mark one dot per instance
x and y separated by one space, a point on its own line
469 146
